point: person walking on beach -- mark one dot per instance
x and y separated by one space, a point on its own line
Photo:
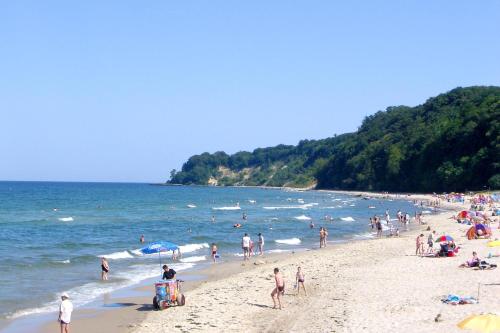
245 245
213 250
300 278
279 289
420 245
261 244
104 269
65 310
321 236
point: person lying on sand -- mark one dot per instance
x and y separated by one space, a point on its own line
279 290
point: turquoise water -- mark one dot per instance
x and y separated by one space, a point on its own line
52 234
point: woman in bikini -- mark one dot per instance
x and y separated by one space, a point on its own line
321 236
104 269
279 290
300 278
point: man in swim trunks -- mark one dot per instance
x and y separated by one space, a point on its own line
245 245
104 269
168 274
279 289
300 278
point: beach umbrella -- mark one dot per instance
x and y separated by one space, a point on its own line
487 323
493 243
444 238
159 247
480 226
463 214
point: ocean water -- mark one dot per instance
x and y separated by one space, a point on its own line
52 235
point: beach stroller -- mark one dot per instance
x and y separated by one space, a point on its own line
168 293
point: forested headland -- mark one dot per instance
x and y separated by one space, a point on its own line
449 143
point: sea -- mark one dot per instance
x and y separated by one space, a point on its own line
53 234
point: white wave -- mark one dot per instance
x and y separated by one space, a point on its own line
227 208
90 291
252 201
65 219
300 201
191 206
302 218
291 241
347 219
337 200
363 236
372 207
238 254
352 205
117 255
278 251
67 261
193 259
426 212
193 247
306 206
137 252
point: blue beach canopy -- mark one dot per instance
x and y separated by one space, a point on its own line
160 246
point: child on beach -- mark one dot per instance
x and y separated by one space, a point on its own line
279 290
300 278
420 245
213 250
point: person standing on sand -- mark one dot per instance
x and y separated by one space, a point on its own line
279 289
378 223
261 244
430 242
213 252
300 278
321 236
420 245
325 231
245 245
65 310
104 269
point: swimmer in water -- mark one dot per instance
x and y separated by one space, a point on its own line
311 225
141 239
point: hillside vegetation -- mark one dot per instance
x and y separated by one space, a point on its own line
449 143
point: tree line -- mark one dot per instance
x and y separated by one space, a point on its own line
449 143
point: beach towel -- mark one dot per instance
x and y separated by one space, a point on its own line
457 300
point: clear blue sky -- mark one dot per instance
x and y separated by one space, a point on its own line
127 90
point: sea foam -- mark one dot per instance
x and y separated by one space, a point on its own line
65 219
303 218
347 219
291 241
117 255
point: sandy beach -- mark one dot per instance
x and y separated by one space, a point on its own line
374 285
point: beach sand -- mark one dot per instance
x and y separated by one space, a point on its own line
364 286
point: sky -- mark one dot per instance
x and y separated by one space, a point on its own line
128 90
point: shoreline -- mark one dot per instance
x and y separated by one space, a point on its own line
133 313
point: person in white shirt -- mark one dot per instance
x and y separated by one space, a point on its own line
65 310
245 245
